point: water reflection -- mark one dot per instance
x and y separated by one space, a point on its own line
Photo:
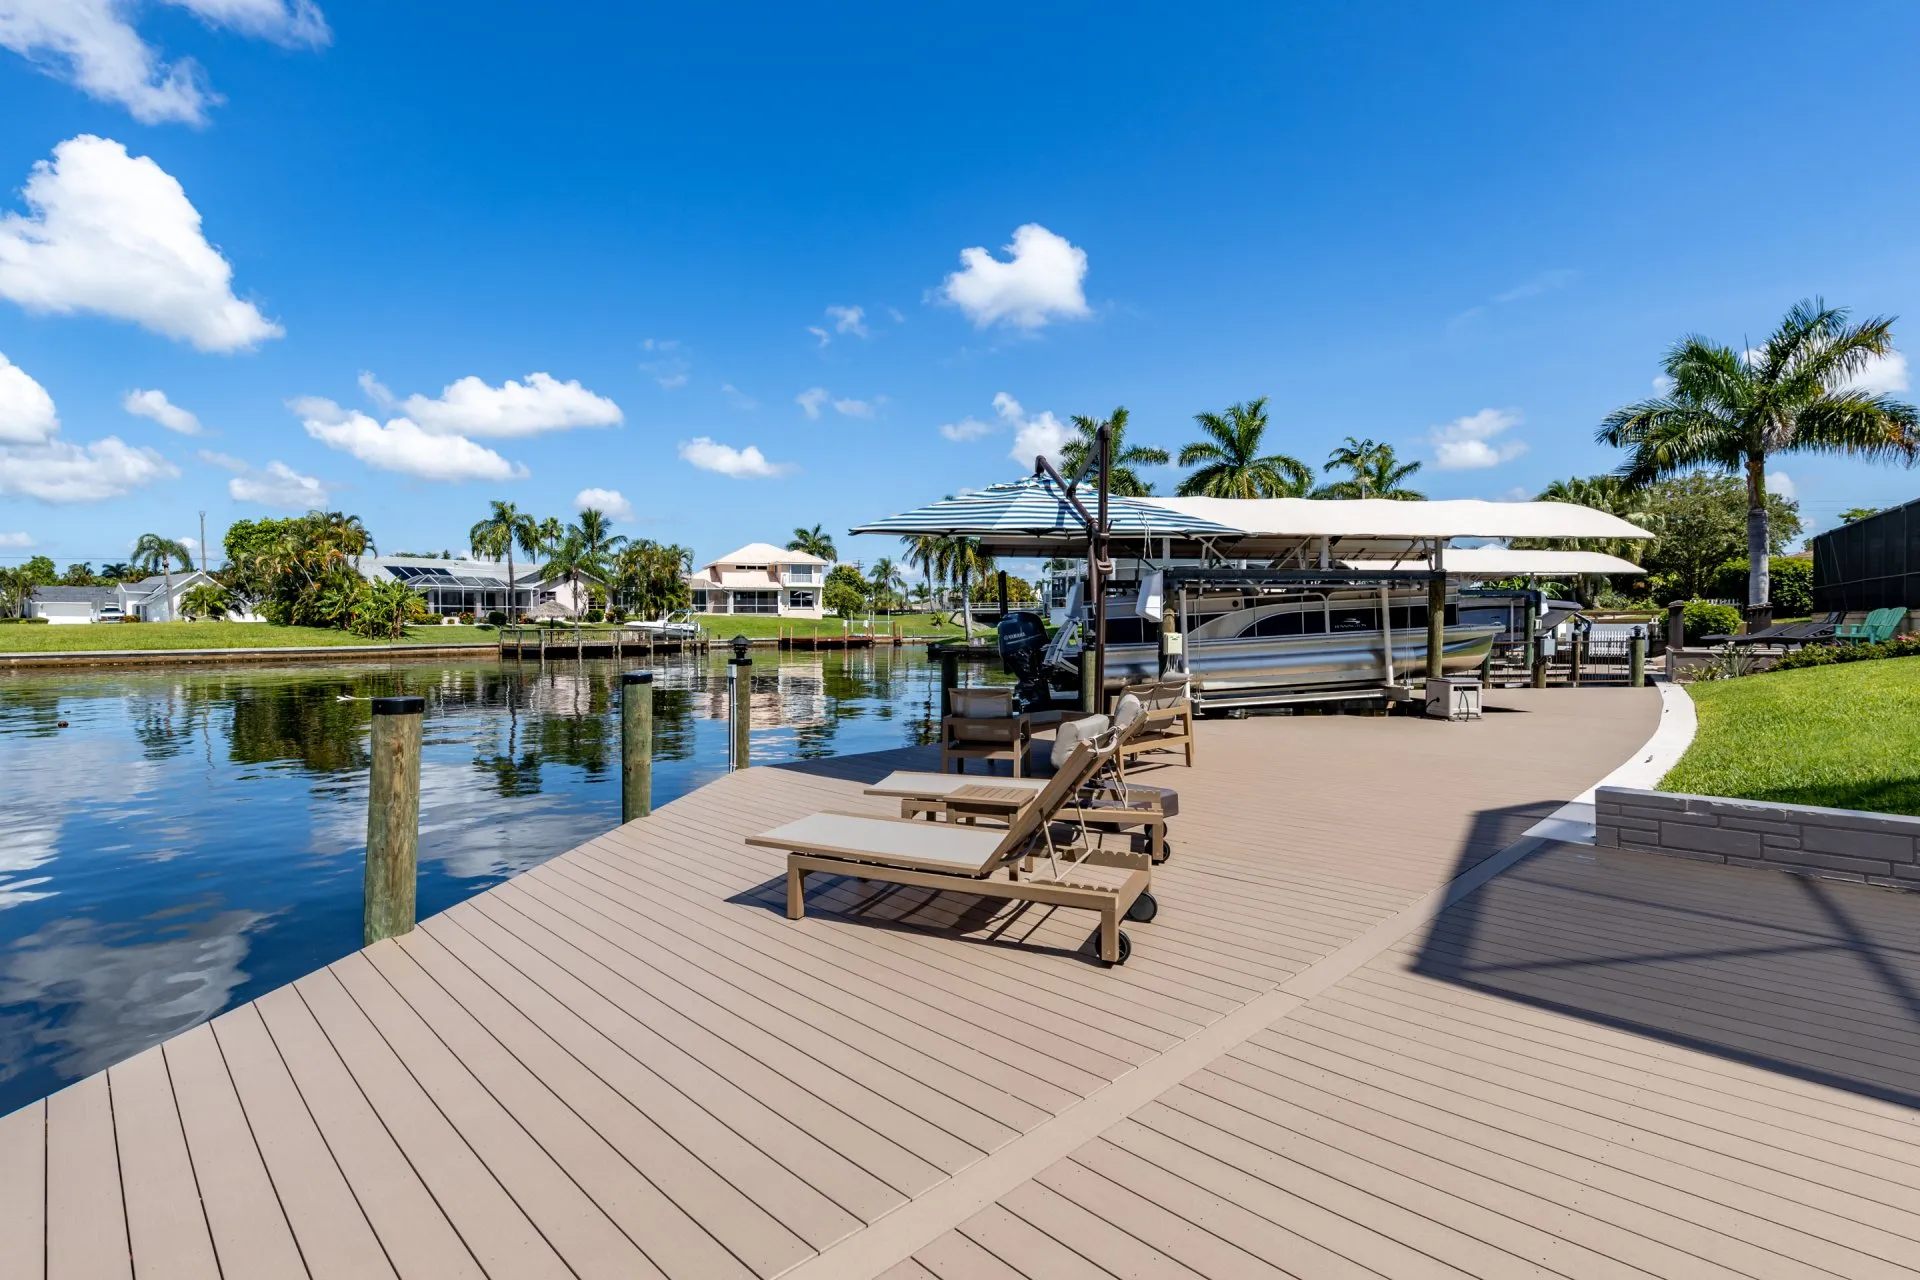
196 837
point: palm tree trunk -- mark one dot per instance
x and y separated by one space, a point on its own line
510 578
166 569
966 603
1758 586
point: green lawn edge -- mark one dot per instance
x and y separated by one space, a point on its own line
1845 737
160 637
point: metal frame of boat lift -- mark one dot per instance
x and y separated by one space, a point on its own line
1182 576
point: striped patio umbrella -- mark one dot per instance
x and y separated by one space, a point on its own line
1036 507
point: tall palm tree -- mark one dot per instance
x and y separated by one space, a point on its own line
1121 457
1730 411
886 579
814 542
1230 462
1373 472
923 552
591 543
549 533
153 552
960 560
504 528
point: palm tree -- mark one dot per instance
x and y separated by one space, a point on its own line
960 559
1230 462
118 571
886 579
587 548
205 600
1374 472
1121 459
923 552
153 552
815 542
1731 411
504 528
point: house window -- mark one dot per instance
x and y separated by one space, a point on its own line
801 599
756 602
700 601
807 573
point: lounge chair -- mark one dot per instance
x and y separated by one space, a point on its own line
1106 803
1169 720
1878 627
1787 633
984 726
958 857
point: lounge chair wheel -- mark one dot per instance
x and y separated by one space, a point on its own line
1093 947
1144 909
1126 947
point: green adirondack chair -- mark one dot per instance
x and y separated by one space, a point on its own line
1878 627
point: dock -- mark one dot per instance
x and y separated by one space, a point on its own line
1377 1029
521 642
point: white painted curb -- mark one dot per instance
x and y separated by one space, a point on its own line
1572 822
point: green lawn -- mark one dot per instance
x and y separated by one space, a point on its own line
725 626
1846 736
36 638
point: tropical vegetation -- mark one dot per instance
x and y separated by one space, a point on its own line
649 579
494 537
814 542
1729 411
1082 448
1230 462
155 553
1373 471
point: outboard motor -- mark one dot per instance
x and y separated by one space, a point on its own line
1023 652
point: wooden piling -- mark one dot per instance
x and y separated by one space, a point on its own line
1637 658
636 744
740 730
1436 626
393 817
1574 647
1540 662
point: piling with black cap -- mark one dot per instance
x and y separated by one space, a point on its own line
740 700
636 745
949 678
1637 658
393 817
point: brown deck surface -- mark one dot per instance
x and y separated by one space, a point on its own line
629 1063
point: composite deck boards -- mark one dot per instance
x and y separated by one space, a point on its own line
628 1062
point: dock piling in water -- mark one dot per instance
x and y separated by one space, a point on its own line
393 817
636 745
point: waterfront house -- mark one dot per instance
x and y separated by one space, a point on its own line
478 587
66 605
760 578
143 601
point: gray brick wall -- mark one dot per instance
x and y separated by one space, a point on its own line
1840 844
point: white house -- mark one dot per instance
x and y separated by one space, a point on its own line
63 605
762 579
474 586
144 601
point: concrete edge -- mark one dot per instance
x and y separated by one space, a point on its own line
1573 823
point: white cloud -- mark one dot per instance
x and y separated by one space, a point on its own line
669 364
36 463
20 541
402 445
849 320
61 472
856 408
811 399
26 410
1041 435
542 403
116 235
1534 286
610 501
92 45
155 405
738 398
820 333
1470 443
1780 482
1662 384
275 485
1883 375
1042 280
966 429
742 464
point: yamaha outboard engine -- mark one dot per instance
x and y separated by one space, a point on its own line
1023 652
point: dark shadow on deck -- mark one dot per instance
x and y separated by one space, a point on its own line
1811 978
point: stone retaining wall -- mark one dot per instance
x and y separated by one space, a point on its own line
1840 844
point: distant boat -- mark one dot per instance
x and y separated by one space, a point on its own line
678 625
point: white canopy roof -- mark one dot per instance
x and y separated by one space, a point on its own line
1387 518
1504 562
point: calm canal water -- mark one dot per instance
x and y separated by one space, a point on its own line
195 837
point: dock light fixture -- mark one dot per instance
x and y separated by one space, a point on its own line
740 648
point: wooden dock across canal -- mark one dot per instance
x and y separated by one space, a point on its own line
1335 1053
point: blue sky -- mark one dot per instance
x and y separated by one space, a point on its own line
1467 231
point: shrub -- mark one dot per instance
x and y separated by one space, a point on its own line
594 615
616 614
497 617
1826 655
1789 584
466 619
1701 619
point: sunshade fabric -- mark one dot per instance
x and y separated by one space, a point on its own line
1037 507
1504 562
1387 518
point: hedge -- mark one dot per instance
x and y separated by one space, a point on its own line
1826 655
1789 584
1701 619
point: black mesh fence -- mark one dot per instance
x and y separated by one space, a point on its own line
1869 564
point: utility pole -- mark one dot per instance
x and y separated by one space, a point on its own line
203 542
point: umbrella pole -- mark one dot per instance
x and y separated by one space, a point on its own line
1104 441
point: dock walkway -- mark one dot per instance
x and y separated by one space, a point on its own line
1335 1053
